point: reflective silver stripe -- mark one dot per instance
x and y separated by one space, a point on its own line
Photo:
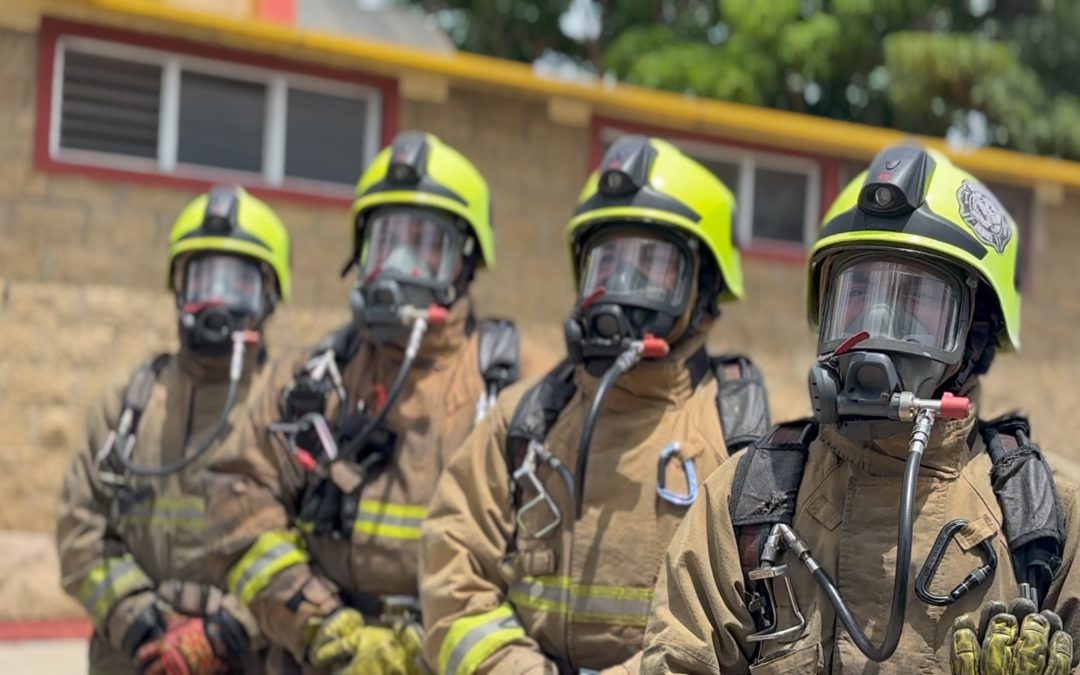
475 636
605 604
265 559
106 584
385 519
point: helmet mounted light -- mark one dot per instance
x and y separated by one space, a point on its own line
896 181
407 159
222 204
626 167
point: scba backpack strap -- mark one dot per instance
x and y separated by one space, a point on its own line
741 399
136 397
536 413
499 346
1033 522
313 382
764 492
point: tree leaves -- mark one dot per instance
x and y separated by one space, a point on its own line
1000 72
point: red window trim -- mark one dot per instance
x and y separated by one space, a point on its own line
763 250
53 29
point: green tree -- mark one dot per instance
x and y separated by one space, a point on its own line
1000 72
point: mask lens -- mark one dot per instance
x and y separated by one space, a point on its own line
411 246
228 280
892 300
639 267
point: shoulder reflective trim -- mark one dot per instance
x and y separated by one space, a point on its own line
391 521
473 639
110 581
615 605
182 511
271 553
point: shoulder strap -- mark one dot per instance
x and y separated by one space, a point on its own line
307 391
764 492
741 399
537 411
1022 480
141 384
136 397
344 340
766 486
499 347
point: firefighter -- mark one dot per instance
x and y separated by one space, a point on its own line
546 531
131 519
316 515
854 540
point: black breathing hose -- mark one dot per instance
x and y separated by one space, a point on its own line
356 443
625 361
919 437
236 369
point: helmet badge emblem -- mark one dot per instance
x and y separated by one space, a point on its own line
985 215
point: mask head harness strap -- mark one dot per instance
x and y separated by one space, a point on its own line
981 345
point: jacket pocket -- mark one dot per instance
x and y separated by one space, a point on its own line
807 660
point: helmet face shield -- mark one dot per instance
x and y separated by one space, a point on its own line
904 305
226 280
651 272
413 246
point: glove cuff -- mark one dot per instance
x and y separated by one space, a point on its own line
148 625
227 637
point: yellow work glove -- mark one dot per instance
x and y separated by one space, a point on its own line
1019 641
336 638
387 651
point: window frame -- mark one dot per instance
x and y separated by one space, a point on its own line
747 159
176 56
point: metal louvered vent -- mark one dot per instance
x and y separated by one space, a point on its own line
110 105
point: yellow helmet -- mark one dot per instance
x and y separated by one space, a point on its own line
917 200
650 181
229 220
418 169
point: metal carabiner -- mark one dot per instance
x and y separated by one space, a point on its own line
767 573
978 576
527 472
691 477
768 576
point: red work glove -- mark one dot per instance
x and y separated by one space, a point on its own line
184 649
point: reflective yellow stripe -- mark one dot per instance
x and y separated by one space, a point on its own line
473 639
182 511
111 581
391 521
271 553
615 605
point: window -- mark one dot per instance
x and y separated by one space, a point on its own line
110 106
221 122
126 107
777 197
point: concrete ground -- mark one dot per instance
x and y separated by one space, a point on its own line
43 657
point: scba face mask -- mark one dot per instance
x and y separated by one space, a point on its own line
220 295
633 285
411 259
890 325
